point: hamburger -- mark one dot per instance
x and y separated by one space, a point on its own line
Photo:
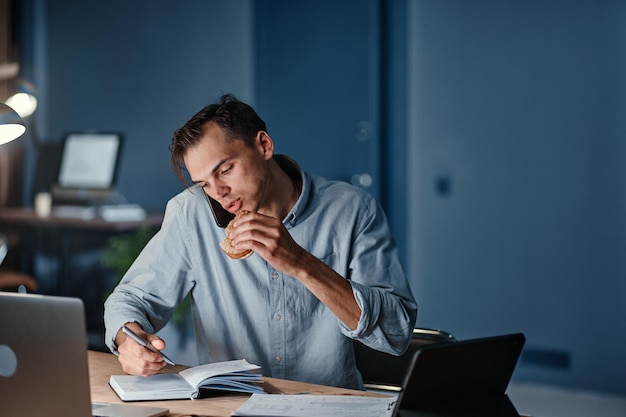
226 244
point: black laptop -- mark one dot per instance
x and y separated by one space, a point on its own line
462 379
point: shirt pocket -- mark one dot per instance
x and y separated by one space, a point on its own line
302 301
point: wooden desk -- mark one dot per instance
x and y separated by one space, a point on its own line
103 365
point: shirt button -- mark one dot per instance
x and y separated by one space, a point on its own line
277 358
275 275
276 317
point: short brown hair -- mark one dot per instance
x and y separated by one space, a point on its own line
237 119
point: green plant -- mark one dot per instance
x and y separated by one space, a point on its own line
120 251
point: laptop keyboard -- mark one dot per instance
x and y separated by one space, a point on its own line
98 406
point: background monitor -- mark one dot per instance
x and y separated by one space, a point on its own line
90 160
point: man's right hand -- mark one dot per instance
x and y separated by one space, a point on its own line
136 359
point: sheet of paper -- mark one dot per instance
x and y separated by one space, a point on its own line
277 405
199 373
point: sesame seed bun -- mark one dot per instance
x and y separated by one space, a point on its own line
226 243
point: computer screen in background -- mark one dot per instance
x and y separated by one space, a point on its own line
88 170
90 160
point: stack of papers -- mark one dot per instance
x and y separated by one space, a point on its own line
74 212
275 405
122 213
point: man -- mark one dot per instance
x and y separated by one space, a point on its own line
325 269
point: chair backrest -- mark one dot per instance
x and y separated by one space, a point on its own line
382 371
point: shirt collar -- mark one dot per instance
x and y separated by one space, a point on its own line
293 170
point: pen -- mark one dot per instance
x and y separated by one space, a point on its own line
145 344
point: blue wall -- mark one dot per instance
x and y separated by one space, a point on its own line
142 68
519 108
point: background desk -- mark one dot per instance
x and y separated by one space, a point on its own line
23 216
55 235
103 365
63 255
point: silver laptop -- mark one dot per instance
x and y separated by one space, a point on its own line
43 360
461 379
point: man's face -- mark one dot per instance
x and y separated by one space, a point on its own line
230 172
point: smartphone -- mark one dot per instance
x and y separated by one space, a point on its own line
220 214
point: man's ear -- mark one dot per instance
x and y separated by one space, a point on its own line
265 144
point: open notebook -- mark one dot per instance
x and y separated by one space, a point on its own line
43 361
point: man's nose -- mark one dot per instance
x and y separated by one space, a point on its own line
221 190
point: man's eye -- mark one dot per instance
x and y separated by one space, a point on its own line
226 170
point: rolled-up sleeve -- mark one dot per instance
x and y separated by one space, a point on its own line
379 284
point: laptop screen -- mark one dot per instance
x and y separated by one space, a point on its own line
90 160
43 360
461 378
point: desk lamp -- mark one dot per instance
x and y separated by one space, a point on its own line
24 101
11 124
11 127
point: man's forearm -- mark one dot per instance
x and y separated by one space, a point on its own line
331 289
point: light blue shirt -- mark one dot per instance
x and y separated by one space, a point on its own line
247 309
